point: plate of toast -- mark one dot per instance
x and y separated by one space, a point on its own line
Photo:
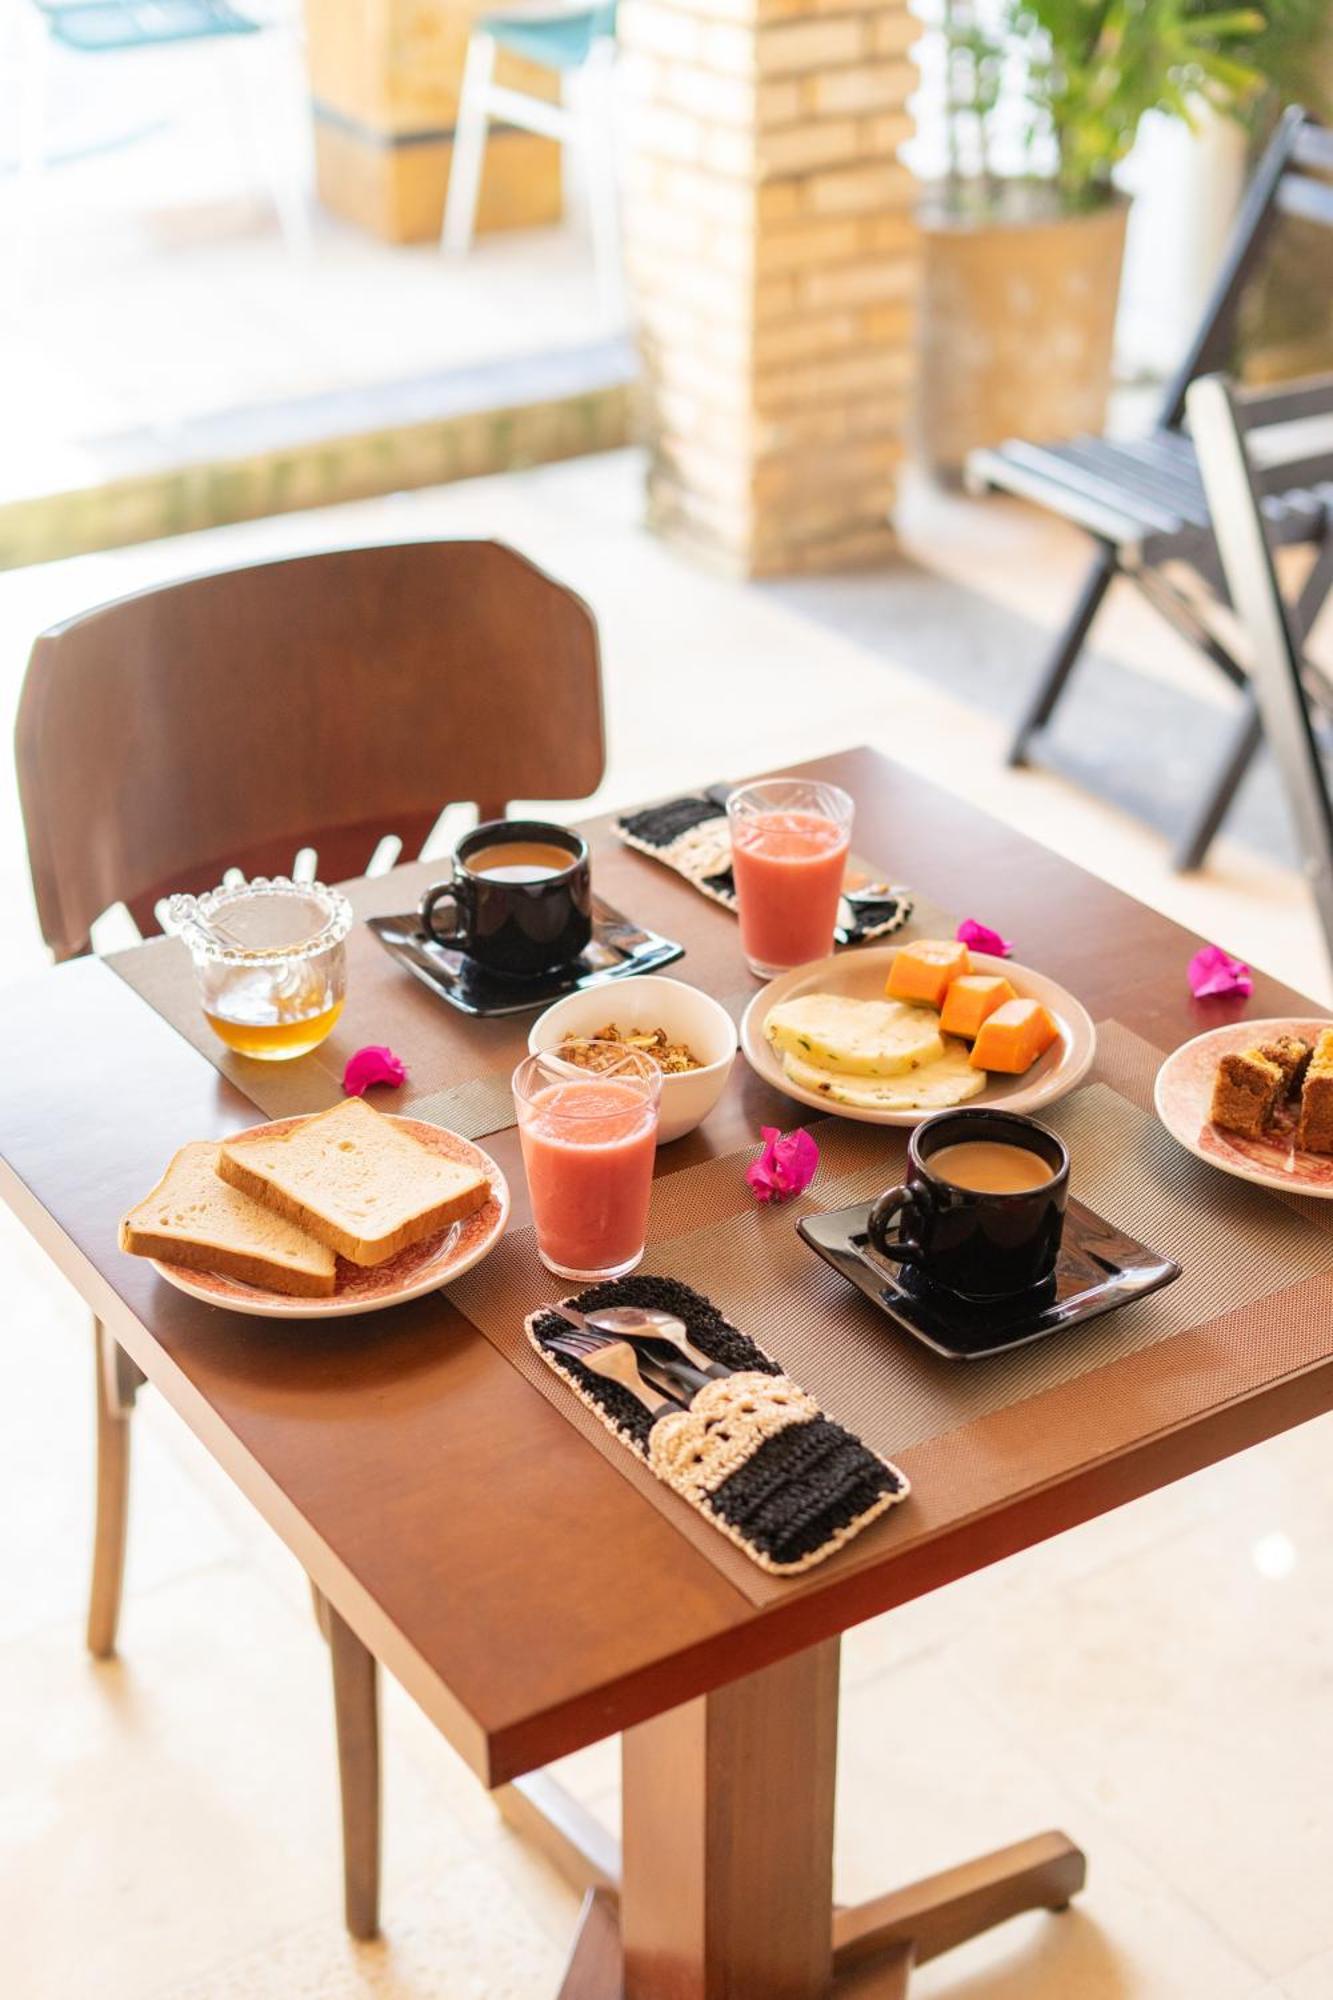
1256 1100
320 1217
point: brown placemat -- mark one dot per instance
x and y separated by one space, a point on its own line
1237 1246
458 1066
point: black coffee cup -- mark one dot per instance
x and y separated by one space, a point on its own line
523 919
976 1243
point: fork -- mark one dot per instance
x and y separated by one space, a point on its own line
635 1323
614 1361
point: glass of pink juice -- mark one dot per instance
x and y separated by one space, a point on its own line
789 843
588 1144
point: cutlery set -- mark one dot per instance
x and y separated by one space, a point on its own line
623 1344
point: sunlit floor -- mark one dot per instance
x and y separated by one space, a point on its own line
150 280
1157 1684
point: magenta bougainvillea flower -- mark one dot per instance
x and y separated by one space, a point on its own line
785 1166
1213 973
371 1065
980 937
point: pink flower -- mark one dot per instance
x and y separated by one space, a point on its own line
372 1065
1213 972
786 1165
980 937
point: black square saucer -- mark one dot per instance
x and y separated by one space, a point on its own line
619 950
1099 1268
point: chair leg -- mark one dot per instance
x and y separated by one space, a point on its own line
470 128
596 128
1192 848
357 1722
117 1378
1070 644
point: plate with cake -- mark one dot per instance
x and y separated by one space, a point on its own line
1256 1099
320 1217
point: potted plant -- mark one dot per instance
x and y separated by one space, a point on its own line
1024 235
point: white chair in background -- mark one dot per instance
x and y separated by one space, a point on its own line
577 44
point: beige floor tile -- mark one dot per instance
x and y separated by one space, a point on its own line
1312 1981
460 1936
1185 1693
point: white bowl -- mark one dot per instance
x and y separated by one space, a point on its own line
688 1016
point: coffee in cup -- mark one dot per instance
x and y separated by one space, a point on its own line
519 899
981 1211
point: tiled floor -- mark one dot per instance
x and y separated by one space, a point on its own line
1157 1683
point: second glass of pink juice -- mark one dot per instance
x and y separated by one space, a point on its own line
789 843
588 1143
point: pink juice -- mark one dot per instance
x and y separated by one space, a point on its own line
588 1148
789 869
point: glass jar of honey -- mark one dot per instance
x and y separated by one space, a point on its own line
269 960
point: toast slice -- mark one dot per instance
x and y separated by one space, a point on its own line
195 1219
355 1180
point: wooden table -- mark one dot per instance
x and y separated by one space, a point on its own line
528 1598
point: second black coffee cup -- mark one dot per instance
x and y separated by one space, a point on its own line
982 1209
519 900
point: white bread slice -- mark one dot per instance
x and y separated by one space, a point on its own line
355 1180
193 1218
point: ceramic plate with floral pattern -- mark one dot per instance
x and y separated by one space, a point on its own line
422 1267
1183 1095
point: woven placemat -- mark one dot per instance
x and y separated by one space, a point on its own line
458 1066
1237 1245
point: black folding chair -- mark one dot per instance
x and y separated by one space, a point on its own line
1143 502
1289 696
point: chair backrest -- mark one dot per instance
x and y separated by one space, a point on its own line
323 701
1286 181
1275 662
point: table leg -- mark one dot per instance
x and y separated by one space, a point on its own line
356 1722
117 1379
728 1839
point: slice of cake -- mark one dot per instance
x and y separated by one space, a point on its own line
1246 1092
1292 1057
1314 1133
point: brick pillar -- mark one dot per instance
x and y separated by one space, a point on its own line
773 256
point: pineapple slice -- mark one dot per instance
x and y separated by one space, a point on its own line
855 1037
950 1079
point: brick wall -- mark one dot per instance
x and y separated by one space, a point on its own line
773 258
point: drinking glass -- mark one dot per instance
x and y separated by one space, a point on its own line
588 1142
789 843
269 962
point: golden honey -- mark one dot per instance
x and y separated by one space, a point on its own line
275 1041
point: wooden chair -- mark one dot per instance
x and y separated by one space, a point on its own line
1284 687
1142 500
229 721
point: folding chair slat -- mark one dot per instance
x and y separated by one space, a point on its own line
1066 466
1142 482
1026 471
1177 471
1311 200
1313 148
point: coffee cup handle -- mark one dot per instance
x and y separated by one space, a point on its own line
897 1199
445 892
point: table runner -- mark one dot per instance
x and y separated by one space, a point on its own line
1237 1245
459 1067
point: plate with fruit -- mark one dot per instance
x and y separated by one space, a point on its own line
1255 1099
893 1033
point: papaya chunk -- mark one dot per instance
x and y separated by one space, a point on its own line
970 1000
924 971
1013 1037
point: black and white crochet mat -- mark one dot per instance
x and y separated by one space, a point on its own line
753 1452
692 836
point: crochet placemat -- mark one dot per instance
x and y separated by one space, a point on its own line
1237 1245
753 1454
692 834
